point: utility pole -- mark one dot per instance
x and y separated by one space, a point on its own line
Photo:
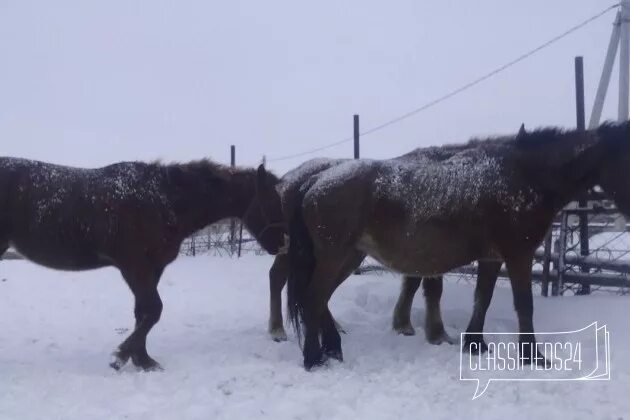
619 40
585 287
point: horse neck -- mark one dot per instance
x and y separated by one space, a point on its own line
568 168
239 194
231 199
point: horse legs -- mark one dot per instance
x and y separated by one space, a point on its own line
434 327
277 279
148 308
520 272
324 281
401 322
487 273
331 340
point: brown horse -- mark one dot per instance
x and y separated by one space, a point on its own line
421 217
132 216
279 271
432 287
278 274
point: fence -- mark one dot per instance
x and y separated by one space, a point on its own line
225 238
599 259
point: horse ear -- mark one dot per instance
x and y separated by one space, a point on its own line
521 133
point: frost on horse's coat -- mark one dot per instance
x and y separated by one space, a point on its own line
58 184
429 183
132 216
480 201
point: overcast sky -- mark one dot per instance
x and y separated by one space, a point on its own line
88 83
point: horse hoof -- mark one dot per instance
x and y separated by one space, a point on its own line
437 339
116 365
147 364
310 365
334 354
405 330
278 335
118 361
153 367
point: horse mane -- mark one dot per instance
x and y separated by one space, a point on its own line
201 165
531 139
210 169
617 135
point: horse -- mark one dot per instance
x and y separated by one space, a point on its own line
493 202
432 287
132 216
279 271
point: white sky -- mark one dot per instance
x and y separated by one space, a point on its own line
93 82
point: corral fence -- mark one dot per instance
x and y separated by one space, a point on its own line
225 238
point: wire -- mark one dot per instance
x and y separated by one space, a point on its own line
311 151
453 92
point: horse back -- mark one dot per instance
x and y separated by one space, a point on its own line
75 218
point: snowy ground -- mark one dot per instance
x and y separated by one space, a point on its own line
58 330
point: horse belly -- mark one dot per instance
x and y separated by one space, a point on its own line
60 256
427 252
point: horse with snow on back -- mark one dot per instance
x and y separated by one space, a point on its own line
132 216
420 217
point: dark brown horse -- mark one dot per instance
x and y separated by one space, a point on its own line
278 274
432 287
133 216
491 202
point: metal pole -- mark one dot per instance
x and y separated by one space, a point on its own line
624 62
561 254
604 81
546 263
579 92
357 153
585 287
240 240
232 221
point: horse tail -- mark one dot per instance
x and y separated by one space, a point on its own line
301 265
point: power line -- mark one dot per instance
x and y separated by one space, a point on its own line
453 92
